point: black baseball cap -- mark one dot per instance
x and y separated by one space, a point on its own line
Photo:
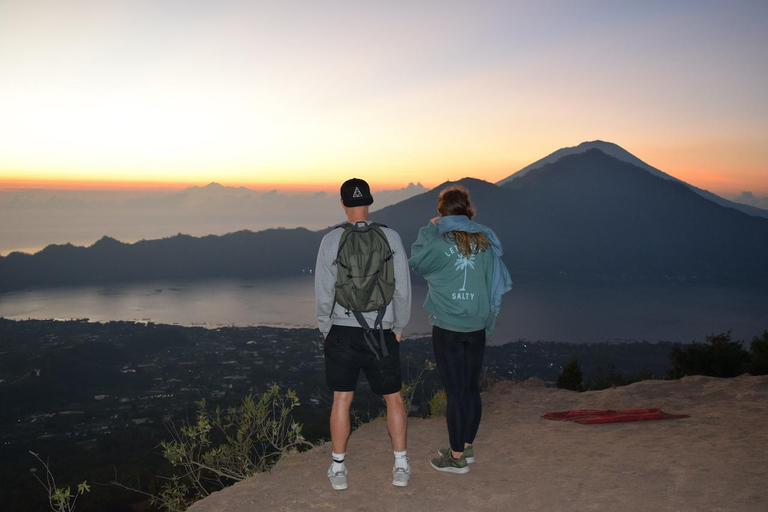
356 192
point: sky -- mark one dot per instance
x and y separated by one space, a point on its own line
292 94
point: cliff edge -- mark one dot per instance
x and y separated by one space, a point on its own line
714 461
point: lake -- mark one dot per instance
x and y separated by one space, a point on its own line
548 312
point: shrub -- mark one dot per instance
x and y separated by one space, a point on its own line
488 378
412 383
437 404
223 447
60 499
717 357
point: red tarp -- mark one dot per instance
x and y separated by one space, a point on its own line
592 416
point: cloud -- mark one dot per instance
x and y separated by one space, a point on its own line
747 197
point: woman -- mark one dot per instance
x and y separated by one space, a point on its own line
461 261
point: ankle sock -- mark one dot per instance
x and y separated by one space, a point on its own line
338 461
401 459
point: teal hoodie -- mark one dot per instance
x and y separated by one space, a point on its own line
460 288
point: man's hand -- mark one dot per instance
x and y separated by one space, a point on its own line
399 336
434 220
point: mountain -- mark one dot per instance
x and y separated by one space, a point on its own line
243 254
586 216
620 153
591 216
32 219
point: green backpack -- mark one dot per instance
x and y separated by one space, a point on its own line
365 276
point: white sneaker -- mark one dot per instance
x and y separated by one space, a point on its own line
400 476
338 479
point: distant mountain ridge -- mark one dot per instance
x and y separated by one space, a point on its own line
622 154
586 216
243 254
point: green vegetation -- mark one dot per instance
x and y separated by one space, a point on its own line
60 499
438 404
223 447
413 382
718 356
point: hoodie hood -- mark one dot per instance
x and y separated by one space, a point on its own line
462 223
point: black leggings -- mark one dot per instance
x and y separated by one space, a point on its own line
459 357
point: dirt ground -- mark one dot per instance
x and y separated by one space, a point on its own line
716 460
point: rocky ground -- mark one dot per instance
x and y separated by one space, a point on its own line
713 461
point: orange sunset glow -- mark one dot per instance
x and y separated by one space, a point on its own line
137 95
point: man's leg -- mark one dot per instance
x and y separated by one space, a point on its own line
397 421
340 427
341 376
342 400
397 426
385 377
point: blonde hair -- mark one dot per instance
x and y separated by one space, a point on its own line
454 200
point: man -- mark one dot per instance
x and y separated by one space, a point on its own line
348 346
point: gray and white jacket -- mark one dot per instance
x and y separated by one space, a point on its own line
398 311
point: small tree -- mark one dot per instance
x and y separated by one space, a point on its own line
571 376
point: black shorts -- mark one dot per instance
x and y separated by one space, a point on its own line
346 353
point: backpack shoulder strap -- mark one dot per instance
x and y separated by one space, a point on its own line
376 228
343 240
346 226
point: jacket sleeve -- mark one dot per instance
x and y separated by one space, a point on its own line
325 280
422 260
401 300
490 324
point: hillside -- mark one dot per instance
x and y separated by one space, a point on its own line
713 461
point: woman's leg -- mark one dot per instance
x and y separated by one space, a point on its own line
474 351
449 355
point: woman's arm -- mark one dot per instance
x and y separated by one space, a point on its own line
422 261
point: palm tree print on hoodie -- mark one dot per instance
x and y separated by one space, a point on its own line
462 262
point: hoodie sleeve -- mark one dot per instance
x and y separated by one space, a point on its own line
325 279
401 300
423 261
